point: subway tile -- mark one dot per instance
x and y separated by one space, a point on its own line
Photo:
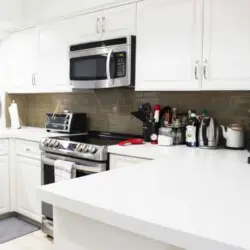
109 109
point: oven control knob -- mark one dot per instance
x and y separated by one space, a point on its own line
85 148
51 143
56 144
92 149
79 148
46 142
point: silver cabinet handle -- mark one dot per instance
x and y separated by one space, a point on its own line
33 82
34 78
98 22
205 69
103 24
196 70
28 150
108 67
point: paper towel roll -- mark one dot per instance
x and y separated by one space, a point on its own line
14 116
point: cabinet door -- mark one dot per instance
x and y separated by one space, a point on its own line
119 21
119 161
22 54
28 178
226 45
169 45
4 184
53 57
86 28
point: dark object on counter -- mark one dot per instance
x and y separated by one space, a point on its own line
66 122
166 117
140 115
192 131
150 121
209 133
150 132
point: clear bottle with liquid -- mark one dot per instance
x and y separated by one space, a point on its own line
192 131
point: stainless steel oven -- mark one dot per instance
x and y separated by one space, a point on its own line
82 168
103 64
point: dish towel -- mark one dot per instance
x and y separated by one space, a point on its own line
63 170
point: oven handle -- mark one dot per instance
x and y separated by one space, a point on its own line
110 81
48 161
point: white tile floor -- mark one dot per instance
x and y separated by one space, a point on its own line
36 241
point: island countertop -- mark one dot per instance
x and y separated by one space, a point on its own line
193 199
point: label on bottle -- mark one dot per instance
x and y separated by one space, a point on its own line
191 134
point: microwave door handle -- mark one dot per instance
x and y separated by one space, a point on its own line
110 81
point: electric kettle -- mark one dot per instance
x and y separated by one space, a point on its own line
234 135
208 133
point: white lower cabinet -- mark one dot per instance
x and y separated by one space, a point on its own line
4 184
28 178
119 161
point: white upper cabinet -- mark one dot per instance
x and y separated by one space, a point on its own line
20 61
119 21
169 45
53 57
85 28
226 45
107 24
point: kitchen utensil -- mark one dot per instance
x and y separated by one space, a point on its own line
147 109
140 115
133 141
234 135
209 133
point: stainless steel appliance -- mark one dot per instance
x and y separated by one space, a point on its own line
66 122
88 152
208 133
103 64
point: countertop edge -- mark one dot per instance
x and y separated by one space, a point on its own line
146 229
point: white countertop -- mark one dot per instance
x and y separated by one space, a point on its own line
27 133
191 198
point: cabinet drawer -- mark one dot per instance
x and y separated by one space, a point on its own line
4 146
28 149
119 161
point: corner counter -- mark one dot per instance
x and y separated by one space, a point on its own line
191 198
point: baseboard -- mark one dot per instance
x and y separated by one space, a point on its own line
22 217
8 215
33 222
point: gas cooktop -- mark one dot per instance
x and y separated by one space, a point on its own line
91 145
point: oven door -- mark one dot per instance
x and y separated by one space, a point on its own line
102 67
82 168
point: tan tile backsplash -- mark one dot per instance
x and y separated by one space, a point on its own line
109 109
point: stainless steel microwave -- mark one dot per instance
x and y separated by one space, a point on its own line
103 64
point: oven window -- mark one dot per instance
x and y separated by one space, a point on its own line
82 173
48 174
91 68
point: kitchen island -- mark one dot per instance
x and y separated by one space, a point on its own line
192 199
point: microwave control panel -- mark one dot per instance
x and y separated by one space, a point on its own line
121 62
